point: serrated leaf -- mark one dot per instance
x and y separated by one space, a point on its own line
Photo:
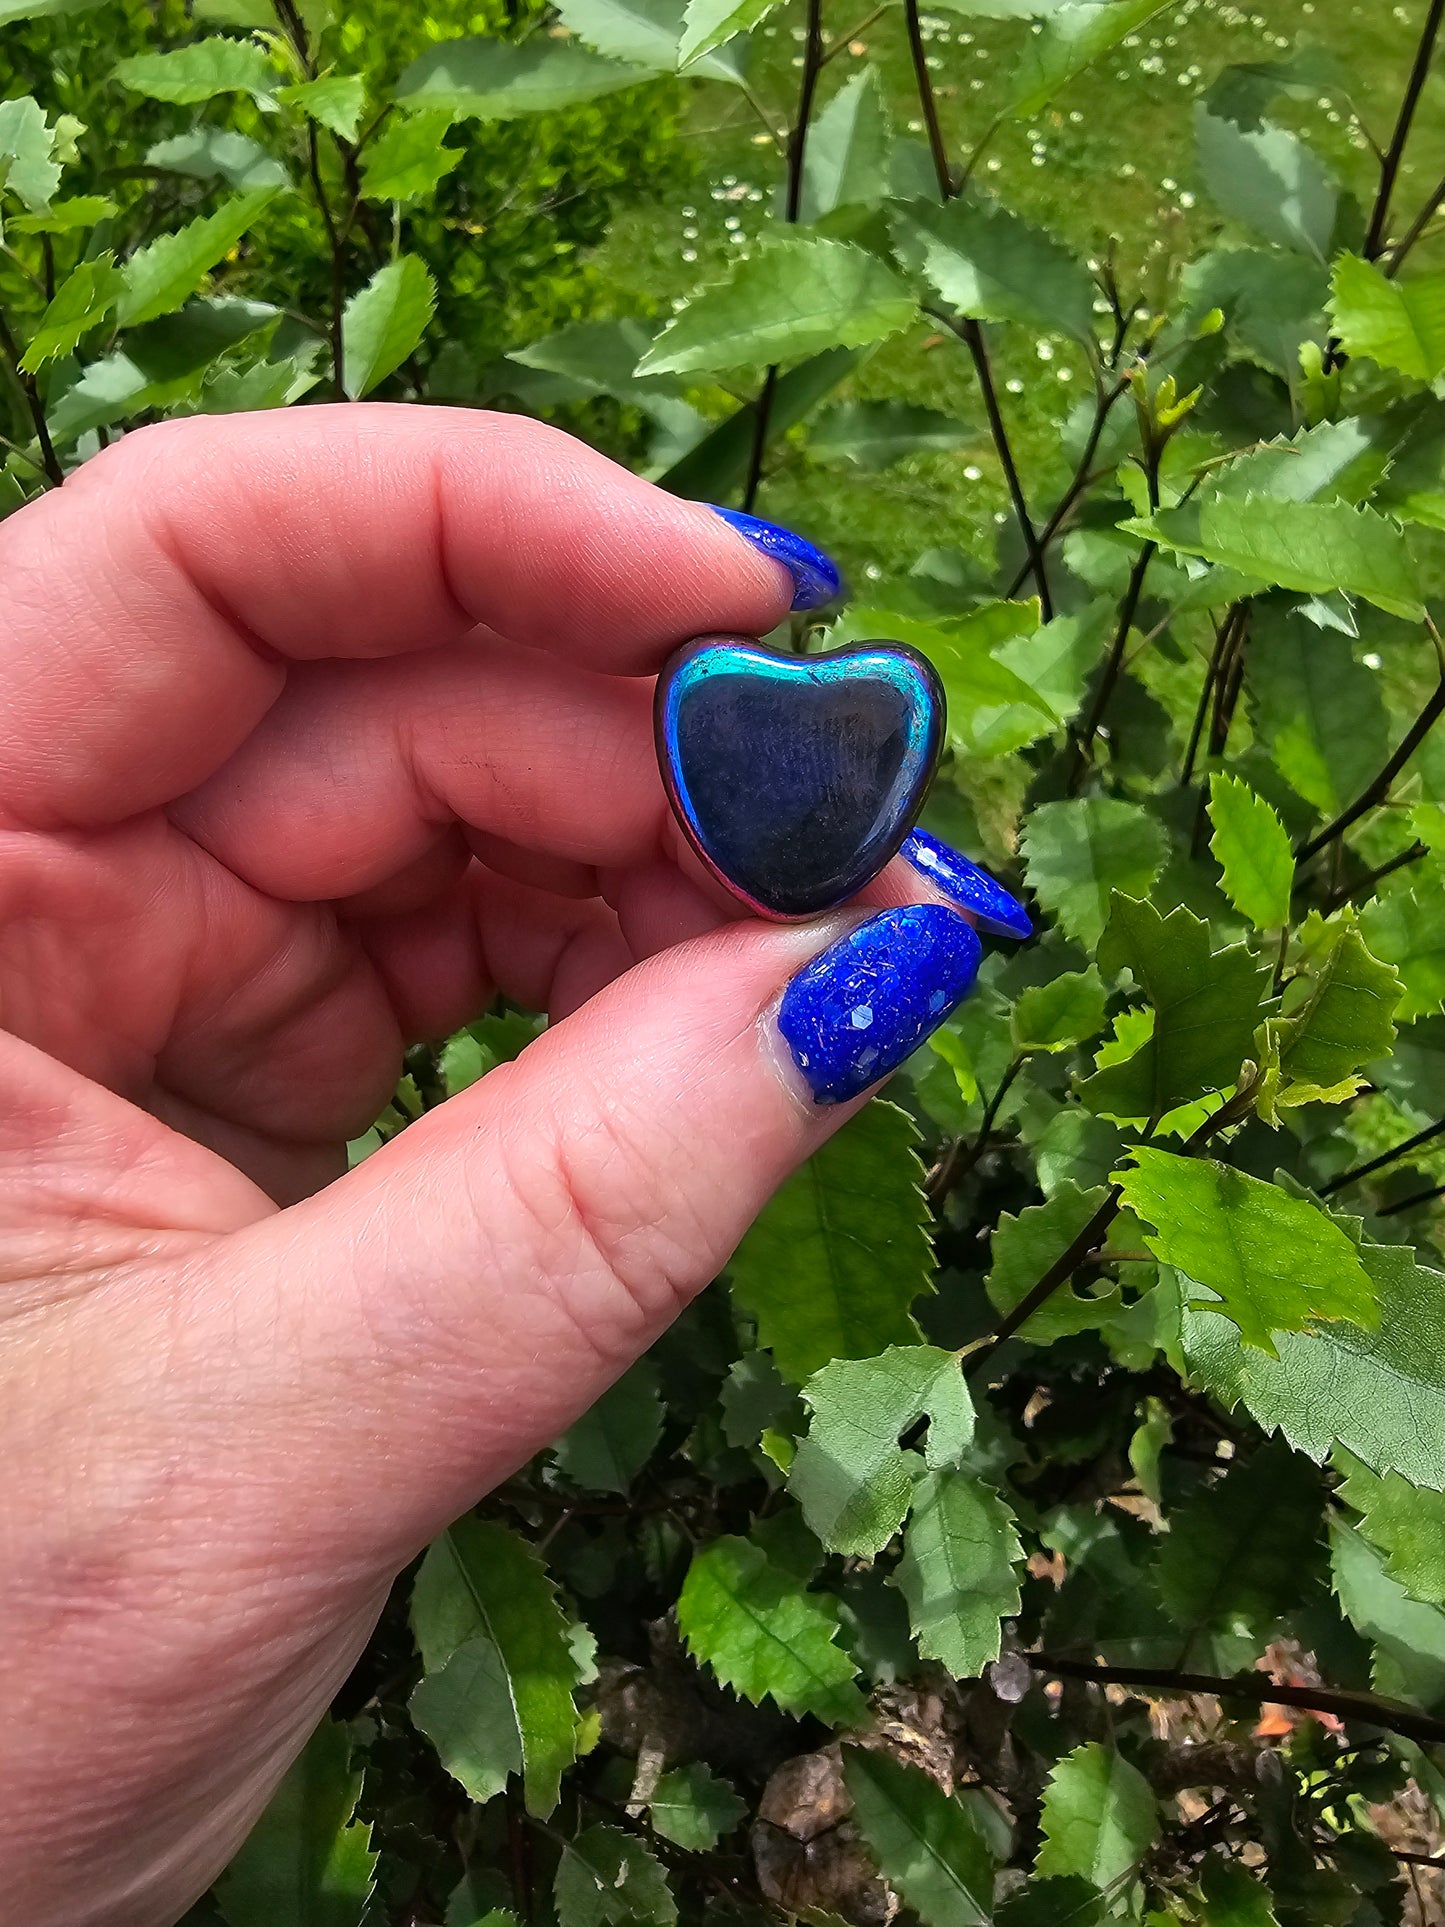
927 1844
1072 39
409 159
609 1445
755 1399
957 1570
765 1635
1079 852
792 298
465 1709
1318 708
306 1861
1239 1556
159 276
1331 462
479 1582
1272 302
1399 324
201 71
832 1265
1380 1392
64 217
218 154
875 434
1099 1818
1207 1005
693 1808
647 34
13 10
1068 1902
1407 929
1346 1017
1315 547
1057 1015
82 301
384 322
27 143
1275 1262
1403 1522
849 152
850 1477
1252 848
1023 1249
708 24
493 80
606 1877
334 100
1268 180
1408 1638
985 262
1233 1896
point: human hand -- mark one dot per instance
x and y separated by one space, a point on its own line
318 730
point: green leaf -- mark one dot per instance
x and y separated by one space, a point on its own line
648 34
1333 462
1252 848
1207 1007
1267 180
991 264
493 80
719 463
794 297
1407 929
1276 1262
335 101
1079 852
609 1445
1099 1818
850 149
693 1808
185 75
1315 547
82 301
306 1861
928 1846
957 1571
465 1709
851 1479
1399 324
480 1583
1404 1523
1072 39
755 1399
1379 1392
27 144
1069 1902
1273 303
64 217
408 159
218 154
832 1265
1408 1638
606 1876
1023 1249
707 24
875 434
1233 1896
1340 1010
1057 1015
1319 710
1238 1557
765 1636
13 10
159 276
385 321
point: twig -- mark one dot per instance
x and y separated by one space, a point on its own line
1083 475
1084 740
50 461
1427 1196
853 32
926 101
1390 166
1391 263
1372 877
1223 642
1378 787
1388 1714
957 1165
1358 1171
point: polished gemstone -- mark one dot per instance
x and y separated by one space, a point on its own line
796 778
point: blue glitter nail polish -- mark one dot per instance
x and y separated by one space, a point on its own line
796 778
868 1002
815 575
974 890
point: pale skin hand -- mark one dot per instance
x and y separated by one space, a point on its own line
316 731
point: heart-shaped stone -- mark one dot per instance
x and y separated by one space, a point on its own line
796 778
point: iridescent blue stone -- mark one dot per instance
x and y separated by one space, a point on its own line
796 778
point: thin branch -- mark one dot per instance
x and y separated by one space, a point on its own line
1427 1196
29 388
1223 642
1084 740
1358 1171
1372 877
958 1163
1390 166
853 32
1083 475
1391 263
926 101
1376 790
1387 1714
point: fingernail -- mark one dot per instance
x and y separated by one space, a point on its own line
972 889
815 576
863 1005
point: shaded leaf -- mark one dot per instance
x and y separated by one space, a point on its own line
606 1876
1408 1638
1268 180
465 1709
384 322
1072 39
719 462
1252 848
218 154
875 434
957 1570
1099 1818
850 149
1407 929
1341 1009
306 1861
1079 852
491 80
1399 324
1319 710
159 276
928 1846
694 1808
609 1445
1024 1247
991 264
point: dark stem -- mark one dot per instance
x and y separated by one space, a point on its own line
1395 153
1223 643
47 264
1372 877
1426 1196
50 461
1417 227
792 205
1082 476
1378 787
1387 1714
957 1165
927 102
1084 740
1358 1171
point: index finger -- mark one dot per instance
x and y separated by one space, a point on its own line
153 602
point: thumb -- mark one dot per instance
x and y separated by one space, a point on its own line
424 1326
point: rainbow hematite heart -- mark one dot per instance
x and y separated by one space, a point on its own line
796 778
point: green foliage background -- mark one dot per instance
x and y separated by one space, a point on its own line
1043 1521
